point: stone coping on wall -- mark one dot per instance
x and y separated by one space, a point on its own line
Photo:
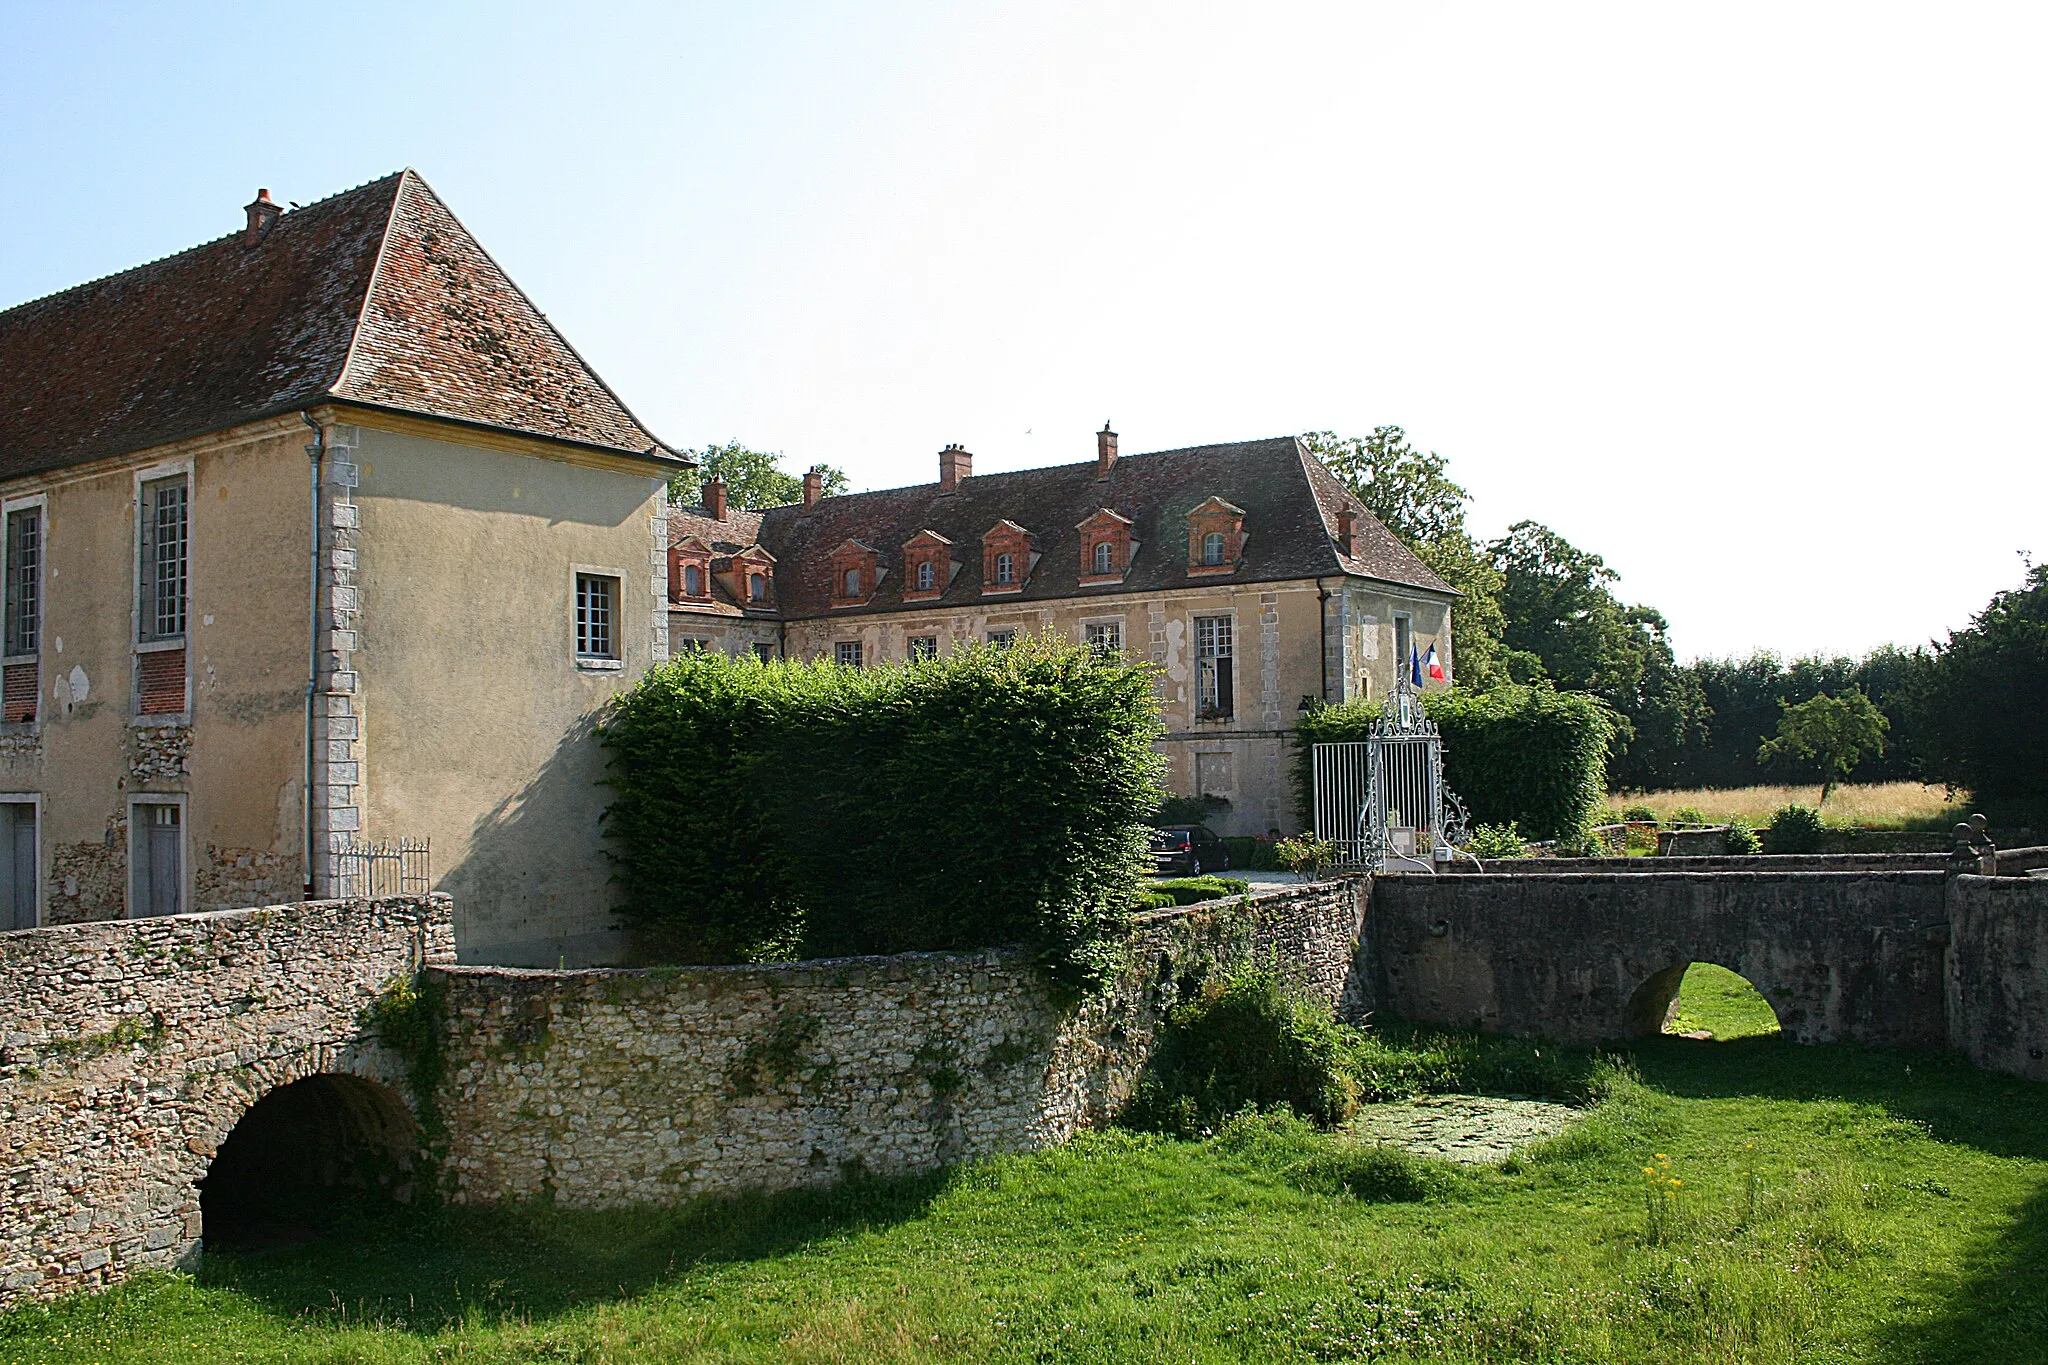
1761 862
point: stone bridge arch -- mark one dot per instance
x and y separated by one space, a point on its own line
1649 1009
131 1050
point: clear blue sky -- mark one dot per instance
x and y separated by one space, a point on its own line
1747 298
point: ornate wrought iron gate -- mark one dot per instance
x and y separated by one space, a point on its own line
1382 800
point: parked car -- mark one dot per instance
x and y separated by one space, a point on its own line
1189 850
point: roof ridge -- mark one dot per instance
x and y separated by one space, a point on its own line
175 255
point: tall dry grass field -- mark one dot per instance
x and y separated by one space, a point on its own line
1875 805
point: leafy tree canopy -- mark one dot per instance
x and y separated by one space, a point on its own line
1983 701
753 479
1833 732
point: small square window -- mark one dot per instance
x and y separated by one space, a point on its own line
763 651
597 616
924 646
1002 639
690 644
1105 637
847 653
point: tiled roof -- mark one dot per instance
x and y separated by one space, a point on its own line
1290 504
376 295
739 530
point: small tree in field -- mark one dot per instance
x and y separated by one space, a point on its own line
1833 732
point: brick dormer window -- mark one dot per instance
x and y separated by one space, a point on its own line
1215 538
1006 558
1106 547
689 571
750 577
856 571
927 566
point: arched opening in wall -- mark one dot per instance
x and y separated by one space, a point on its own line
303 1155
1702 1000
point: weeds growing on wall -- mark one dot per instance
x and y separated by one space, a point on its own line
781 809
410 1017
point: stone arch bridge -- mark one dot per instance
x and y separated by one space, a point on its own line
129 1050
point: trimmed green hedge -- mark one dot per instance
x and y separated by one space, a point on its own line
781 810
1195 890
1529 756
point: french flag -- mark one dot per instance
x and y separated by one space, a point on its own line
1432 666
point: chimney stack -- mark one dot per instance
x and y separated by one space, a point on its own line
1105 452
955 464
262 214
1347 524
814 488
714 498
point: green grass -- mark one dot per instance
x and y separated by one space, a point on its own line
1837 1204
1715 1000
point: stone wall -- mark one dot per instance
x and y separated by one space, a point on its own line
1998 972
1761 862
1587 957
129 1049
613 1087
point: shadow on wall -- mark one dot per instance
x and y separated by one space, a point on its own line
426 1273
534 889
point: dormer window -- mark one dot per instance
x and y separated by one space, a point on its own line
1006 558
1215 538
926 576
1103 555
927 565
693 581
1106 547
757 587
689 570
856 573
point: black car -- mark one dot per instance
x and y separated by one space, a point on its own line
1188 849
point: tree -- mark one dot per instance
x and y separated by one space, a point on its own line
752 479
1980 707
1558 608
1833 732
1410 494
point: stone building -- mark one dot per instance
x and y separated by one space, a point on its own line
1247 572
226 662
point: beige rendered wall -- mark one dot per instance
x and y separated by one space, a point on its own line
235 758
476 717
1277 644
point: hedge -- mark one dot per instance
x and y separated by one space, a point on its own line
778 810
1529 756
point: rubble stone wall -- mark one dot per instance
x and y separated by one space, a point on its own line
611 1087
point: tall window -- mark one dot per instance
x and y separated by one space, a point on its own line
852 583
164 547
1105 637
1212 548
1214 695
156 840
1404 643
1006 568
1103 554
757 587
597 616
693 581
924 646
24 580
847 653
926 576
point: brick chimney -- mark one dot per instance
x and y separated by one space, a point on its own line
714 498
1105 452
814 488
1347 526
262 214
955 464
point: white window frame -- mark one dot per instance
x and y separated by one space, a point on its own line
754 571
696 571
1214 540
182 802
1006 569
598 663
1195 649
927 575
157 473
40 503
848 653
35 801
849 582
1101 623
912 642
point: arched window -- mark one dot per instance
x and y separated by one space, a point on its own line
925 576
1212 548
693 581
853 583
1006 568
1102 557
757 587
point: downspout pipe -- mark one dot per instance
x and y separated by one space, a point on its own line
1323 637
315 453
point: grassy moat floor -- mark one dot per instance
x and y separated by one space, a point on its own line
1740 1200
